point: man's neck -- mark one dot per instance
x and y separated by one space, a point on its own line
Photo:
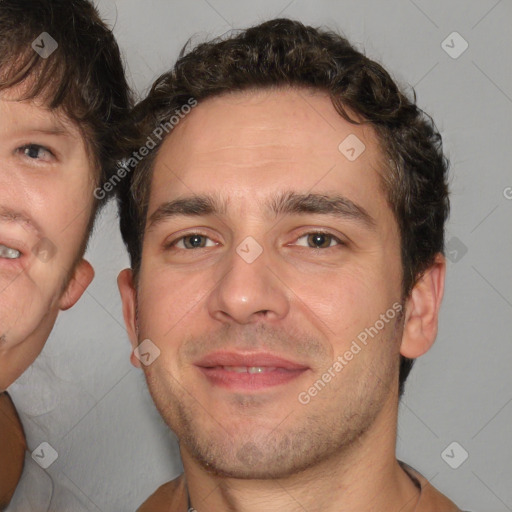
365 476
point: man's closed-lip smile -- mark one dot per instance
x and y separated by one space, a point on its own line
249 371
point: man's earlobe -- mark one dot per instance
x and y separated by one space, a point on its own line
422 310
129 298
82 278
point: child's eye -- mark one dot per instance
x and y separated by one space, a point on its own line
36 152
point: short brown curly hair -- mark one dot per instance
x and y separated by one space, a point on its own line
283 52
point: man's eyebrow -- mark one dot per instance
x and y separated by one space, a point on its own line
192 206
324 204
280 204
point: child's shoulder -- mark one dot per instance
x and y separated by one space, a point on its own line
12 449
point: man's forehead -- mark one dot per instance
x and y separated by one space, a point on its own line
240 117
263 141
265 129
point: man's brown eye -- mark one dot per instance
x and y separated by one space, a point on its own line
320 240
194 241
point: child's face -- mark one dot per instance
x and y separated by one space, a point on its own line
46 200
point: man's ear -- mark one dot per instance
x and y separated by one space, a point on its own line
81 279
129 298
422 310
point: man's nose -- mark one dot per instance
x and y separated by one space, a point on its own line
250 289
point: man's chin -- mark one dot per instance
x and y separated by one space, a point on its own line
269 469
242 458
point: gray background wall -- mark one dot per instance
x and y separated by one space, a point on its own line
85 400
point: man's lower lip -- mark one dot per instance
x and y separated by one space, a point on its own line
219 376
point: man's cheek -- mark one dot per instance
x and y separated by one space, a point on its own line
163 373
46 250
339 300
169 302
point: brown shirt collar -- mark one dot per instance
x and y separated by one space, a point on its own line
431 500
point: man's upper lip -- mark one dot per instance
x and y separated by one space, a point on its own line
248 359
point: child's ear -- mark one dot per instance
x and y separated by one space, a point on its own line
128 298
422 310
81 279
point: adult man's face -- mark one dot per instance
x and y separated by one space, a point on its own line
214 306
46 183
